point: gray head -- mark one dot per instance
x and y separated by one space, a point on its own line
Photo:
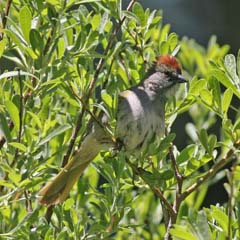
164 76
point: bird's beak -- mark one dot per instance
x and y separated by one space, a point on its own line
180 79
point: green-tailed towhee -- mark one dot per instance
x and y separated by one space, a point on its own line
140 121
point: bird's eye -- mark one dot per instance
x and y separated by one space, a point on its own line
171 75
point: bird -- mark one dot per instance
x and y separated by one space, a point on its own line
140 121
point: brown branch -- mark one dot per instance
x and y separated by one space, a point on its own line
160 195
180 197
211 172
178 200
155 189
49 40
28 202
49 213
178 175
4 17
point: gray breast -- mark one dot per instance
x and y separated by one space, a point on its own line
140 120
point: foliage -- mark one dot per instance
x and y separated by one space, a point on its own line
61 61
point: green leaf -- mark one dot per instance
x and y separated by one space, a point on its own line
226 100
89 1
192 166
216 91
205 159
196 86
13 38
35 119
36 40
186 154
230 64
203 137
206 96
7 184
57 131
14 113
68 204
4 129
61 47
220 217
165 174
164 48
220 75
20 225
173 41
164 33
25 18
182 232
202 226
107 99
147 176
212 141
95 21
166 142
15 177
18 145
3 44
139 11
103 23
16 73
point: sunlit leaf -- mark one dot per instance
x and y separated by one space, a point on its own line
36 40
182 232
206 96
4 129
54 133
226 100
3 44
16 73
226 81
18 145
186 154
14 113
25 19
220 217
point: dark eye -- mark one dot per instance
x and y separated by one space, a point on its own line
172 75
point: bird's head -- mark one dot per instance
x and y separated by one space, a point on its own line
164 75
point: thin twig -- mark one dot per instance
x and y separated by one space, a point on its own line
49 213
211 172
28 202
178 175
49 40
155 189
4 17
159 193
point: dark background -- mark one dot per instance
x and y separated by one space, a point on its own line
200 20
